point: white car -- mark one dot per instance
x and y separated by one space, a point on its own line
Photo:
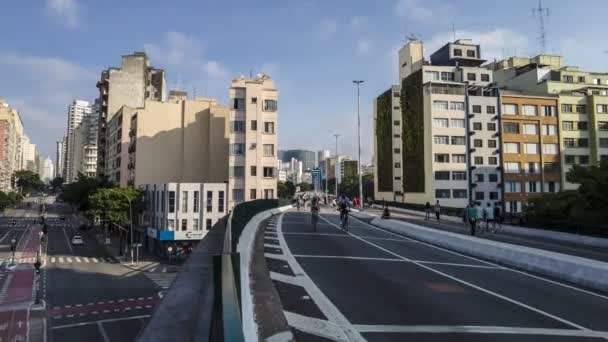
77 240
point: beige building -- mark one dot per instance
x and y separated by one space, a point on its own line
84 150
11 133
130 85
253 139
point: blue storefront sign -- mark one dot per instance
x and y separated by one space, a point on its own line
166 235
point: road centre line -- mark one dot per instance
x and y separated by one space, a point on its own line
473 329
464 282
67 240
393 260
98 321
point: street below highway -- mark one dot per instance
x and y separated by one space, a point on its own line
374 285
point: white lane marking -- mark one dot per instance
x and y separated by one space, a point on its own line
98 321
274 256
52 259
5 235
69 259
78 259
285 279
317 234
330 311
271 246
67 240
494 264
464 282
477 330
164 270
347 257
61 259
94 259
315 326
85 259
458 264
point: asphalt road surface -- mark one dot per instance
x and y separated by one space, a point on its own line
370 284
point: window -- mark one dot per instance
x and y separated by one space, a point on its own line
569 159
254 125
184 203
492 161
602 108
581 109
510 127
456 123
220 202
550 148
397 165
478 143
254 100
491 126
529 110
442 158
195 202
442 193
485 77
533 167
490 109
442 175
268 172
511 147
447 76
457 52
551 167
432 75
568 125
476 109
195 224
459 175
208 224
398 150
510 109
270 105
471 76
532 186
456 105
238 195
440 105
268 150
582 125
170 224
479 195
493 195
531 129
550 130
253 171
458 140
512 187
252 194
209 201
569 142
602 125
583 160
581 79
269 127
459 193
512 167
470 53
479 178
531 148
548 110
396 107
397 178
567 108
568 79
459 158
440 123
492 177
477 126
441 139
237 149
396 122
396 94
184 224
582 142
513 207
239 104
237 126
492 143
603 142
597 81
268 194
171 201
478 161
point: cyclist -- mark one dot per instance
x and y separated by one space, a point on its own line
314 210
343 206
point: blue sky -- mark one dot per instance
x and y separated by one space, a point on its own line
53 51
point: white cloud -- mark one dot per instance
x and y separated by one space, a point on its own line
414 9
66 11
363 46
328 27
48 70
215 69
357 22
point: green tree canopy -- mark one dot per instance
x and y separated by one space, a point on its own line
304 186
113 203
77 193
350 186
27 181
56 183
285 189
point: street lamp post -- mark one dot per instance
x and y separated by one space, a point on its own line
337 161
130 219
358 83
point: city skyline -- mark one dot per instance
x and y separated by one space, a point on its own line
205 61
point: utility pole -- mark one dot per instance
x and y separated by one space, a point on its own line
358 83
541 12
337 161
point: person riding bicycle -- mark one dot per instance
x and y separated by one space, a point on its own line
314 210
343 206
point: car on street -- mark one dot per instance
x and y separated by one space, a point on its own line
77 240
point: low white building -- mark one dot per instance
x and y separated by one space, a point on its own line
181 214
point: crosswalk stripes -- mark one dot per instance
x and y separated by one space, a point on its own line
163 280
81 260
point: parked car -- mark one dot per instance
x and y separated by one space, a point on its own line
77 240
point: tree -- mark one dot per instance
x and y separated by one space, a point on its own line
286 189
9 199
27 181
113 203
350 186
305 186
56 183
77 193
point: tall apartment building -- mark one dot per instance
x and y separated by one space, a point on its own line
130 85
60 158
48 169
175 141
11 133
437 134
253 139
308 158
76 112
582 109
84 151
28 151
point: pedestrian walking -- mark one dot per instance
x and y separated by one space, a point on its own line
437 210
497 216
314 209
471 213
427 211
480 216
489 214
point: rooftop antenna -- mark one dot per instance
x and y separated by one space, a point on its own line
541 12
250 73
179 83
411 37
193 92
453 33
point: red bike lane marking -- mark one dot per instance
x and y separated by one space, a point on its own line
32 244
104 307
14 325
20 287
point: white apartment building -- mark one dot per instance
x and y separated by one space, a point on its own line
84 151
181 214
77 111
28 151
48 170
253 139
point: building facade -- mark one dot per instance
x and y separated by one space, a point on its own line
84 151
181 214
77 111
11 133
308 158
253 139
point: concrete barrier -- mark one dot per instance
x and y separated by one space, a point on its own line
589 273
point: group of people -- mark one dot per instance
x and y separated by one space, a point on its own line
342 203
436 208
476 216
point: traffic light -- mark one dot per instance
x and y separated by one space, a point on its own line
37 265
45 229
